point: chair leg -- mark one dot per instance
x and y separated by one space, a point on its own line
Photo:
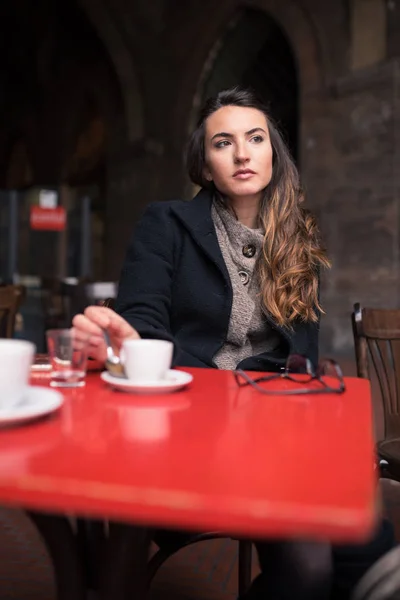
91 539
155 563
162 555
124 560
62 546
244 561
244 566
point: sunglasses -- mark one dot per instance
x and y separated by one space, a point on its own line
299 370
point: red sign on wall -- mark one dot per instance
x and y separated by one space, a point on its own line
48 219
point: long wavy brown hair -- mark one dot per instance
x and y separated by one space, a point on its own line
292 256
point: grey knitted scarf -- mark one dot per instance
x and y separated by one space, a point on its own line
249 333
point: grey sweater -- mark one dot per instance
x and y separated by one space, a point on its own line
249 333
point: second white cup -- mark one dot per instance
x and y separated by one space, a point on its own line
16 357
146 360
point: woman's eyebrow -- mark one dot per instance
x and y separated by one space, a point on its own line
222 134
230 135
254 130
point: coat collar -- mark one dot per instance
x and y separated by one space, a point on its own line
195 215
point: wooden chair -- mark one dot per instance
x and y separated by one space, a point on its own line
382 580
11 297
377 343
39 552
55 316
74 296
244 559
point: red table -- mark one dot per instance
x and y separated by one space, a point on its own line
210 457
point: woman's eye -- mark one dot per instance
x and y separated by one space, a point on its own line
222 144
257 139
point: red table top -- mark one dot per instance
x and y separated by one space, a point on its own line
211 457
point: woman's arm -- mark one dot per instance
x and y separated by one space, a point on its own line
144 292
145 288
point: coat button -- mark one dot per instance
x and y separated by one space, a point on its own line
244 277
249 250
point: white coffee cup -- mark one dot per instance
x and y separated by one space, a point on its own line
146 360
16 357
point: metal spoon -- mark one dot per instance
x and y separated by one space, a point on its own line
113 362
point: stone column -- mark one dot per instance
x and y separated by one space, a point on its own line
351 156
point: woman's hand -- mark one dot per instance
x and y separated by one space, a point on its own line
87 328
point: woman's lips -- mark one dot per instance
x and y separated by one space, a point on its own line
247 174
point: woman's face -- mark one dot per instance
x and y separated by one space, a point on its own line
238 151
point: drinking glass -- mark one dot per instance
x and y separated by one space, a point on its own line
68 359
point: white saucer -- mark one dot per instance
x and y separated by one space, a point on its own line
174 381
36 402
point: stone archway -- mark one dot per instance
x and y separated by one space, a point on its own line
300 33
255 53
121 58
87 143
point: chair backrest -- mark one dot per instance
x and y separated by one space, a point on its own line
11 297
74 297
377 344
382 580
53 304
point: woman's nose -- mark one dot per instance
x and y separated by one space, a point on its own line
241 153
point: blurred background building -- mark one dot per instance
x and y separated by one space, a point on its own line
97 98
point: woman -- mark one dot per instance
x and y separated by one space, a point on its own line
231 278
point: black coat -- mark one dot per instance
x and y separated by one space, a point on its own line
175 286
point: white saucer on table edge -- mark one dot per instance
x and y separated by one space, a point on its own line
175 380
36 402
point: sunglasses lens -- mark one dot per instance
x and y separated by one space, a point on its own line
299 368
331 374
